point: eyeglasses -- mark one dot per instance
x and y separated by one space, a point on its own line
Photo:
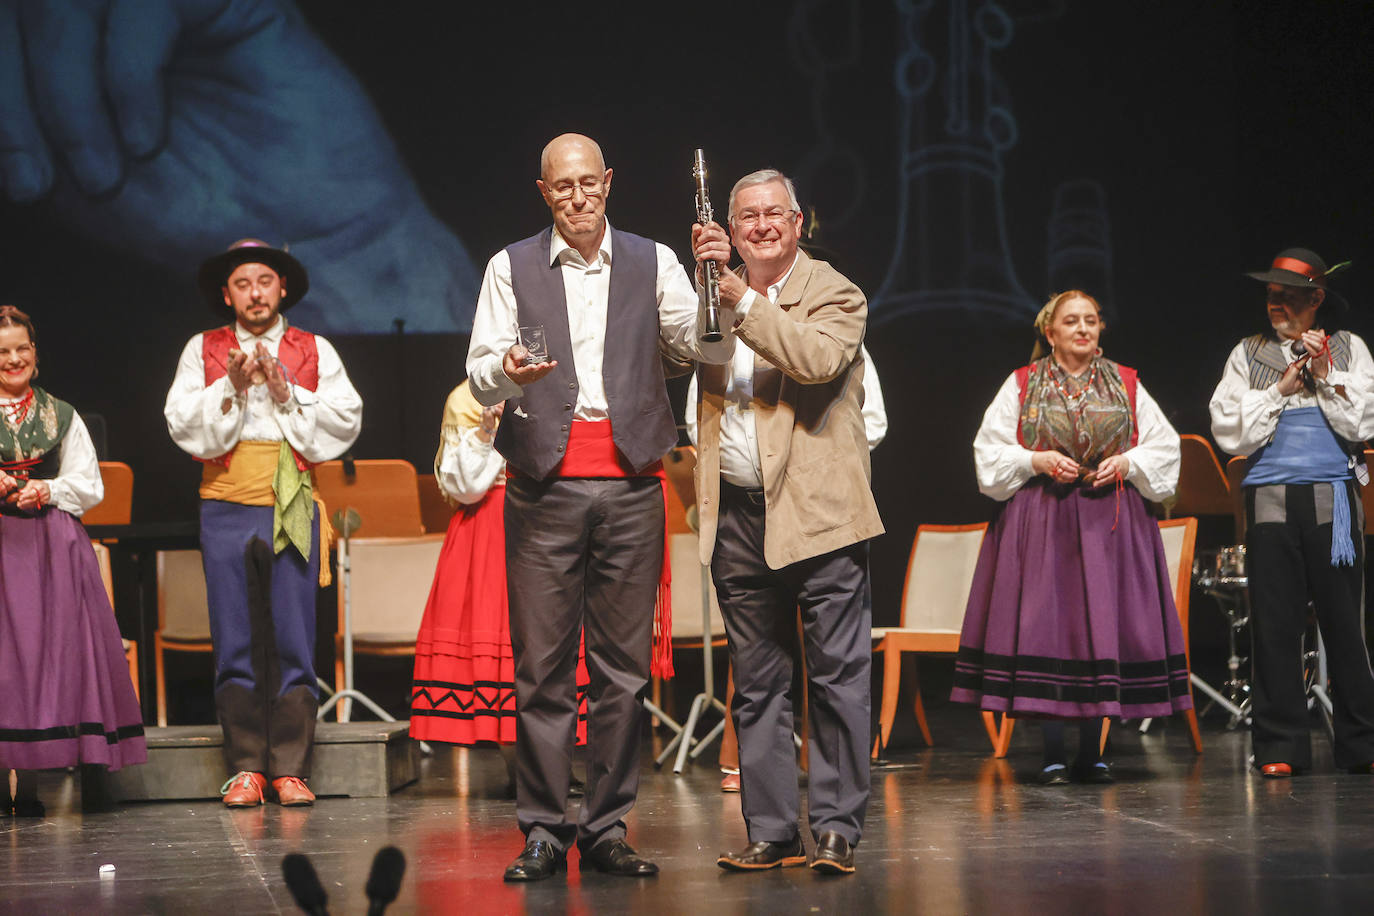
591 187
750 218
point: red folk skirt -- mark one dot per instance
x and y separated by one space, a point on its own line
464 688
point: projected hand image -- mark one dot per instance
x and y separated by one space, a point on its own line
169 128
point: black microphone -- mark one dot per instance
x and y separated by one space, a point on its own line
385 880
304 884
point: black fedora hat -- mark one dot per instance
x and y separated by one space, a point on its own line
216 270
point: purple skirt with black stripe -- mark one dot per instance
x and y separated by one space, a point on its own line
65 692
1068 618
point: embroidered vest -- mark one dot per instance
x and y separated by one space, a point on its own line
298 355
533 435
1268 362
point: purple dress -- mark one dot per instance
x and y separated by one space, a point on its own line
1071 614
67 694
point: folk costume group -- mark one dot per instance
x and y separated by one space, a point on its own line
548 597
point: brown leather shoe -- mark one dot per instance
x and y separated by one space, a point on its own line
244 790
730 782
834 855
763 854
292 792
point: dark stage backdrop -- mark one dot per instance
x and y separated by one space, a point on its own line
964 159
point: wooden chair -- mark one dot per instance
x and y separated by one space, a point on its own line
939 576
1179 536
117 506
183 614
389 584
385 492
1202 485
102 560
435 511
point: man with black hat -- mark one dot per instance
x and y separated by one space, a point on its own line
259 403
1298 403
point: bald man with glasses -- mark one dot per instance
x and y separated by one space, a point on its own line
586 422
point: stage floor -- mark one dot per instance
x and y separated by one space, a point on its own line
950 830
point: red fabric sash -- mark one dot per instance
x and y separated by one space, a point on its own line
296 352
591 452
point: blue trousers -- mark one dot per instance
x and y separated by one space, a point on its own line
262 622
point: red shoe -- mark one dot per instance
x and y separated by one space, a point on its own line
292 792
1276 771
730 783
244 790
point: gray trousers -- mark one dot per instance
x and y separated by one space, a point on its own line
760 609
583 556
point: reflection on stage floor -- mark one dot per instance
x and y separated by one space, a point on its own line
950 830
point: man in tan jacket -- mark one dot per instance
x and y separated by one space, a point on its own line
786 514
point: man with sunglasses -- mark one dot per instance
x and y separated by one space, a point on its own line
585 425
1300 403
786 514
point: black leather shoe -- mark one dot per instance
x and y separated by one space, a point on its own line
834 855
29 807
1056 774
1096 773
617 857
537 861
763 854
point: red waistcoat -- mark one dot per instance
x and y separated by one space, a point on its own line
299 356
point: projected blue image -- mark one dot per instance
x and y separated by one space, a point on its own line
170 129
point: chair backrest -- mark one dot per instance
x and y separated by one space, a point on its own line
117 506
1180 537
183 612
687 583
389 585
435 511
681 496
1202 485
939 576
384 491
102 560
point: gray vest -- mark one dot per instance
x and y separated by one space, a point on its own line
533 434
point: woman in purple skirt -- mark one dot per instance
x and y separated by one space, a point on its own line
1071 615
67 695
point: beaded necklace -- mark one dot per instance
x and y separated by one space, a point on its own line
1064 391
18 411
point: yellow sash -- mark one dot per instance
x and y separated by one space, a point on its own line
247 481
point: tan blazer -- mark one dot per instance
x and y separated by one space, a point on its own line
808 395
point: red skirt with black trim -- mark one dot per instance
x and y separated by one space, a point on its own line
464 688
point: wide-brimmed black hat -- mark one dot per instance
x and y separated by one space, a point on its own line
215 271
1301 268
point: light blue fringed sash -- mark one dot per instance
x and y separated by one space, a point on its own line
1306 450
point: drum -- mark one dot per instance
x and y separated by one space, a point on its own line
1221 568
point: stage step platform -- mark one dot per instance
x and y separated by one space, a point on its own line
357 759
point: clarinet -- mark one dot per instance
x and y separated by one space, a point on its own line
711 327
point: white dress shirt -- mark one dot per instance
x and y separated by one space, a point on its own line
739 436
77 486
468 467
1004 465
320 425
874 409
1244 418
495 326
